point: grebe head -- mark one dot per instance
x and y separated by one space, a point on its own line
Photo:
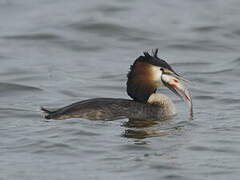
148 73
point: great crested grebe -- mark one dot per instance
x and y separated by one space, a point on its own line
147 74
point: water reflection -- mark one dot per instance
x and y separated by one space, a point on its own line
141 129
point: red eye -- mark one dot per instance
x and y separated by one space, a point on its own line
175 80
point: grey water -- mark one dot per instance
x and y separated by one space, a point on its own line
53 53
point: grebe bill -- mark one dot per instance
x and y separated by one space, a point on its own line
147 74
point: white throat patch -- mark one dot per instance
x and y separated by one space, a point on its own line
157 73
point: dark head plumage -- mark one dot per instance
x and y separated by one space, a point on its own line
154 60
140 84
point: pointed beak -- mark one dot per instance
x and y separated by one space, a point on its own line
175 84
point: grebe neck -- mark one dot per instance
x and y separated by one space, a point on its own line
162 101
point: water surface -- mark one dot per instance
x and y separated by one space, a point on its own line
57 52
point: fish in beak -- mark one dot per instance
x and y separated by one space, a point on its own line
175 84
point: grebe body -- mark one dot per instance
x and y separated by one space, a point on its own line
147 74
158 107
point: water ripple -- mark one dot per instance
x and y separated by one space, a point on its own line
107 29
109 9
36 36
206 29
236 61
10 87
200 45
204 97
214 149
186 64
100 28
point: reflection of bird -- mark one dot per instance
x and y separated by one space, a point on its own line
147 73
139 129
